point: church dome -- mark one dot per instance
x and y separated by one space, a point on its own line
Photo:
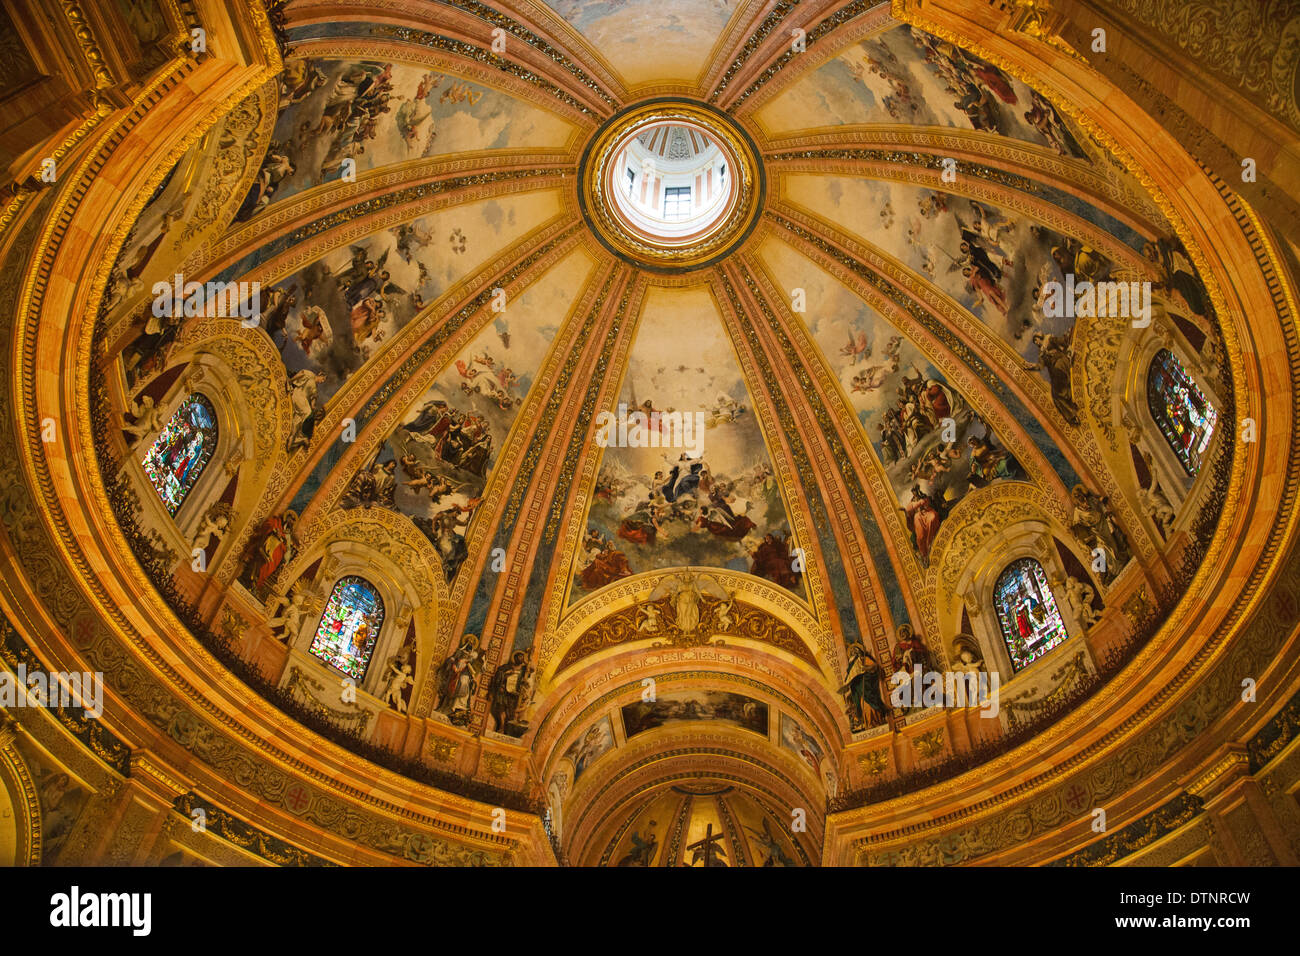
767 442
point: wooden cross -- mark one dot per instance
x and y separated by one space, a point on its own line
706 846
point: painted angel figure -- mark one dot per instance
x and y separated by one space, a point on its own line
870 379
316 334
643 849
766 838
857 348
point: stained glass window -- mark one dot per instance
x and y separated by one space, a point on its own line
349 626
1185 416
178 456
1027 612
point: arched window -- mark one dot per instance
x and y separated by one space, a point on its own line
178 456
1027 613
349 627
1185 416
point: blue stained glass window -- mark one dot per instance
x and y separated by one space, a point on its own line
1027 613
179 454
349 627
1185 416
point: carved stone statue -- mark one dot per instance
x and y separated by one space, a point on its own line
1158 507
1079 596
148 417
687 591
289 620
650 618
722 612
399 678
507 693
1094 526
966 656
1213 360
458 679
212 525
555 794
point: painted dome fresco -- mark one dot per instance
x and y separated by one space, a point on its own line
699 433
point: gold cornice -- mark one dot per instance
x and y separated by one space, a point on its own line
12 765
90 50
159 775
24 192
1225 768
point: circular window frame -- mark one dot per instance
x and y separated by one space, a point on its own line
597 180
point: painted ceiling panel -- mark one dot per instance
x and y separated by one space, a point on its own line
993 264
908 77
650 39
378 113
437 462
711 499
348 305
901 401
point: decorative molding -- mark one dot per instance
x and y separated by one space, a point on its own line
244 835
1138 835
742 620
